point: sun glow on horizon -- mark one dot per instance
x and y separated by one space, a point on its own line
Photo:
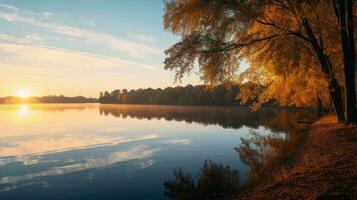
23 93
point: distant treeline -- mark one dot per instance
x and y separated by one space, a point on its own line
47 99
188 95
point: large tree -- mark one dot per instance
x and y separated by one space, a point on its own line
300 51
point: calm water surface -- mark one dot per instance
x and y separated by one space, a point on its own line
90 151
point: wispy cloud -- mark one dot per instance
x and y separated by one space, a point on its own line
50 57
134 48
26 39
34 37
7 17
9 7
47 15
143 38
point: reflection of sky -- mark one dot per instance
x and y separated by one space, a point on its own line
55 143
47 143
137 152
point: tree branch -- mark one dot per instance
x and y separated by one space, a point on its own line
295 33
321 56
242 45
236 45
334 5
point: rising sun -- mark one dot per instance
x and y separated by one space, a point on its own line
23 93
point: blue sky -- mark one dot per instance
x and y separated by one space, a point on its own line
81 47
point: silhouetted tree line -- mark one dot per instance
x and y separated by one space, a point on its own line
188 95
47 99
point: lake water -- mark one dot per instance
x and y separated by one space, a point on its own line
91 151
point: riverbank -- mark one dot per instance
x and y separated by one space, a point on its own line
326 168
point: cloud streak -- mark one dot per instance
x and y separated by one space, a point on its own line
136 49
49 57
9 7
143 38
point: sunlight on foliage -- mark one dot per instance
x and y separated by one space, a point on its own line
217 35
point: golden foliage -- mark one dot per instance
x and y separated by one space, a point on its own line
218 34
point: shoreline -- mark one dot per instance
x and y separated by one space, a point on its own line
325 168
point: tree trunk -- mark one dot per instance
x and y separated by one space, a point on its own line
350 95
335 93
348 49
334 88
319 107
344 14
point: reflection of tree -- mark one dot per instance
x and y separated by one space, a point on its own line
214 181
227 117
265 154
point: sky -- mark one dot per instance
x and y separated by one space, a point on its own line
82 47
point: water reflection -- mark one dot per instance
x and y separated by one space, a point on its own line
23 110
137 152
260 151
134 147
38 145
276 120
214 182
265 154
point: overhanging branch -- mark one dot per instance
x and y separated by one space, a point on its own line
295 33
233 46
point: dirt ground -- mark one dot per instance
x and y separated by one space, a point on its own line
326 168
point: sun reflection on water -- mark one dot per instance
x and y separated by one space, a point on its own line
24 110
